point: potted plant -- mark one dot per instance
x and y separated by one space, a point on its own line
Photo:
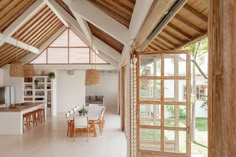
83 111
51 75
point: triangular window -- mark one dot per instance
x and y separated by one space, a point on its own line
68 48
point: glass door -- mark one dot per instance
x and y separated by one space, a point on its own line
163 108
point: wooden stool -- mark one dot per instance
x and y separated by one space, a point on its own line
41 114
33 118
26 121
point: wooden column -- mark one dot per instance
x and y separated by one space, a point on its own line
222 78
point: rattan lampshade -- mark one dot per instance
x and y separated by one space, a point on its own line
16 69
29 70
92 77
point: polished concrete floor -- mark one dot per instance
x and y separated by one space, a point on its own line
49 140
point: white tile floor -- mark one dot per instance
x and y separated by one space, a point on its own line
49 140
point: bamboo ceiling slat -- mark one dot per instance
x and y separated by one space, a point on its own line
190 23
41 28
106 38
196 13
48 33
200 5
172 36
38 27
9 53
166 40
119 10
112 5
25 29
11 10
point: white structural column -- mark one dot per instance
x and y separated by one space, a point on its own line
21 20
20 44
55 11
140 11
109 51
100 19
107 59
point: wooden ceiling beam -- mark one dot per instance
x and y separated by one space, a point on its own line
179 30
100 19
196 13
21 20
167 41
161 43
189 23
173 36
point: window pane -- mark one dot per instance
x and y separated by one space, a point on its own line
169 67
175 141
62 40
75 40
150 89
150 139
175 90
57 55
150 66
175 116
182 65
150 114
79 55
41 59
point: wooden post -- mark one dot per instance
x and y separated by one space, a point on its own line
222 78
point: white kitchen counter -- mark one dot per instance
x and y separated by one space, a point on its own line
11 119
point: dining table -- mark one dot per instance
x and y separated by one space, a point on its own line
93 116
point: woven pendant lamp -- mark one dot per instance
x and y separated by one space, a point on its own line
92 77
16 69
28 70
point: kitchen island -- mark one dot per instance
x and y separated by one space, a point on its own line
11 119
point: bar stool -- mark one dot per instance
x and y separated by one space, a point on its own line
26 121
41 114
33 118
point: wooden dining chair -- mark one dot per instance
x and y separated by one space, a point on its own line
81 125
101 120
69 124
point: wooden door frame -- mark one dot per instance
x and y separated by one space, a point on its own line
122 97
188 92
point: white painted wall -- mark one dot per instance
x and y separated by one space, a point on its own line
108 88
70 90
16 82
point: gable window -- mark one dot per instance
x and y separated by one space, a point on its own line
68 48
